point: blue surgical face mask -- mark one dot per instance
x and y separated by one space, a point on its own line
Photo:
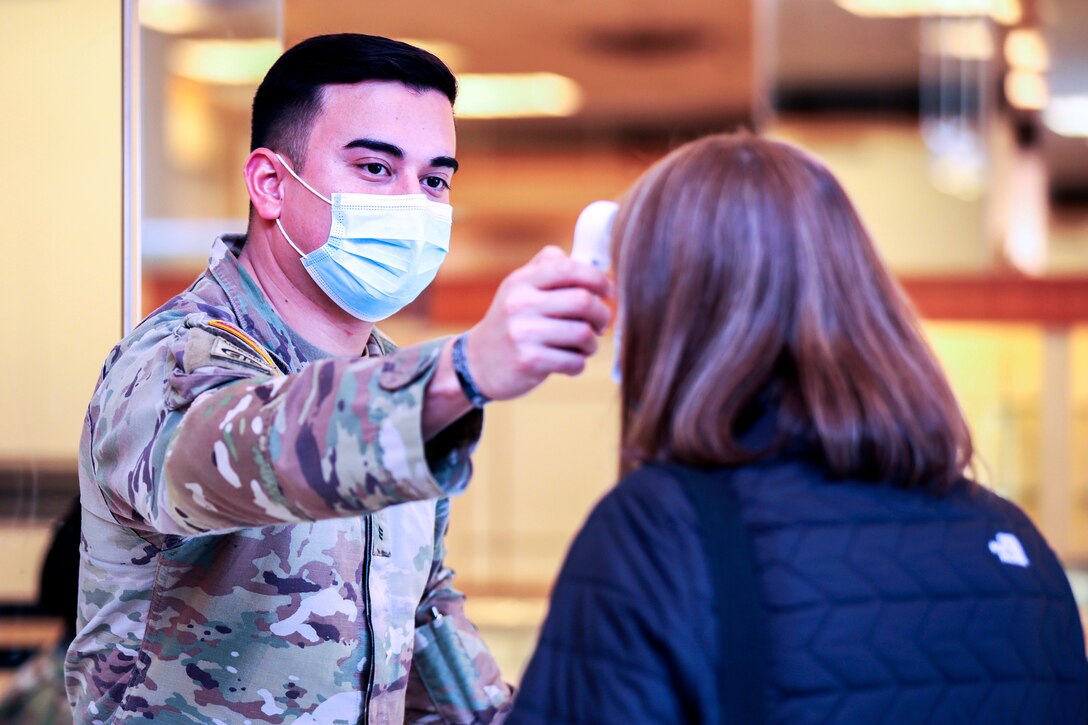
382 251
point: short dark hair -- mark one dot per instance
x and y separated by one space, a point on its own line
748 283
289 98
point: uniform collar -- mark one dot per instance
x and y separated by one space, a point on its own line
255 314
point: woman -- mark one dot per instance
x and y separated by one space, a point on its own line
765 345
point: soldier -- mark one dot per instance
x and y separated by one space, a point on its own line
264 476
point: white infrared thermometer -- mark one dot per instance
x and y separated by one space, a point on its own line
593 235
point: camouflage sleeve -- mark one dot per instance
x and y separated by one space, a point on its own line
454 678
234 446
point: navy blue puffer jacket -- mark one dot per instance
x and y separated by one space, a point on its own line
883 605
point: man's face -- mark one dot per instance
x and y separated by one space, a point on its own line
371 138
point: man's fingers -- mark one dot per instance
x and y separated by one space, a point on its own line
572 335
545 319
547 255
575 303
549 360
554 270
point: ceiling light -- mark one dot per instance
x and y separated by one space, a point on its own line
226 62
174 17
1068 116
961 178
1025 49
516 95
1006 12
967 39
1026 90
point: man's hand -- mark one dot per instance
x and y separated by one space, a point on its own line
545 318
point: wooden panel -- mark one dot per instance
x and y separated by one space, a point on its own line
30 632
460 302
1056 301
159 285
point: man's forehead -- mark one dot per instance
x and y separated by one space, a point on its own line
419 122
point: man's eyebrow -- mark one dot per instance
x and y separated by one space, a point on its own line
397 152
447 161
375 145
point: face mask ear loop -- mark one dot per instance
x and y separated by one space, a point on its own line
312 191
299 180
284 233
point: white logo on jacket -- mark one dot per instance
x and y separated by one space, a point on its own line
1009 550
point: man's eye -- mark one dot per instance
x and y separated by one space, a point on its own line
373 168
436 183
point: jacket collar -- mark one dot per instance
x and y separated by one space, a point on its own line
761 434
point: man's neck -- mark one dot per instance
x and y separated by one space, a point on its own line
306 310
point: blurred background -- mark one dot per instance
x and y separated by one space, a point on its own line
959 127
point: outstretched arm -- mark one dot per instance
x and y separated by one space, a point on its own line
197 443
188 443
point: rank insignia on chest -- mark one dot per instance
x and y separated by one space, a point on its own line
381 542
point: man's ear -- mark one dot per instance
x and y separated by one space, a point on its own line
264 182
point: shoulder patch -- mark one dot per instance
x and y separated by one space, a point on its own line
218 344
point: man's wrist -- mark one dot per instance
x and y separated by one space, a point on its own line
464 375
444 402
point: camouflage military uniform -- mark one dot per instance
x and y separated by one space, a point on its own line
263 528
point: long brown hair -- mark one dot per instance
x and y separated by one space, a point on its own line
748 283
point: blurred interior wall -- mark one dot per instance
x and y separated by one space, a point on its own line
884 167
61 232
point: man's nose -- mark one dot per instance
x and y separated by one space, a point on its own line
405 184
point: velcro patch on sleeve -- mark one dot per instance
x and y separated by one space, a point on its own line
206 348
